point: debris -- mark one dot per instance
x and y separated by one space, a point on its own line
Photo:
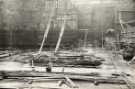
68 82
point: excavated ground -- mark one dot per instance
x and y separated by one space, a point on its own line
112 65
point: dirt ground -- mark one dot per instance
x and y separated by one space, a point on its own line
113 64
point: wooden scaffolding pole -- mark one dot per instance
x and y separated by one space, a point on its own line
121 22
47 29
60 35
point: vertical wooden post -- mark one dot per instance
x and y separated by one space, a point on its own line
85 37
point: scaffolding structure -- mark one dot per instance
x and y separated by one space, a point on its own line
127 33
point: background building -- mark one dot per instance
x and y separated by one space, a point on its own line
22 22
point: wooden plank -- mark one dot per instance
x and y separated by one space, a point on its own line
99 79
77 78
4 55
70 82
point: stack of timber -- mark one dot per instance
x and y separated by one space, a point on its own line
70 58
43 76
